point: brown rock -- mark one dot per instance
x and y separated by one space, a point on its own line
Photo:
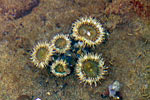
17 8
23 97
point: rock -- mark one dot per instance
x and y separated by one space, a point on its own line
23 97
14 9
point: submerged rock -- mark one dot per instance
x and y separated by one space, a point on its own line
17 8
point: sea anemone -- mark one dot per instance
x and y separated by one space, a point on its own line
41 54
89 31
90 68
60 68
61 43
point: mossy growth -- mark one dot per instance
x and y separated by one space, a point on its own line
146 88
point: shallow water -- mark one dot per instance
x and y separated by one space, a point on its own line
126 49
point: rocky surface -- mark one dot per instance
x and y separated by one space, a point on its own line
14 9
126 50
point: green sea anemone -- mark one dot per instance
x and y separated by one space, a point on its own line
89 31
60 68
41 54
90 68
61 43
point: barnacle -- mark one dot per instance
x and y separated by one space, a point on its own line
90 68
41 54
60 68
61 43
89 31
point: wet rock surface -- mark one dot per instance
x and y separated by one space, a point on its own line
14 9
24 97
126 49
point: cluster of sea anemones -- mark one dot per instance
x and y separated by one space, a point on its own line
74 51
